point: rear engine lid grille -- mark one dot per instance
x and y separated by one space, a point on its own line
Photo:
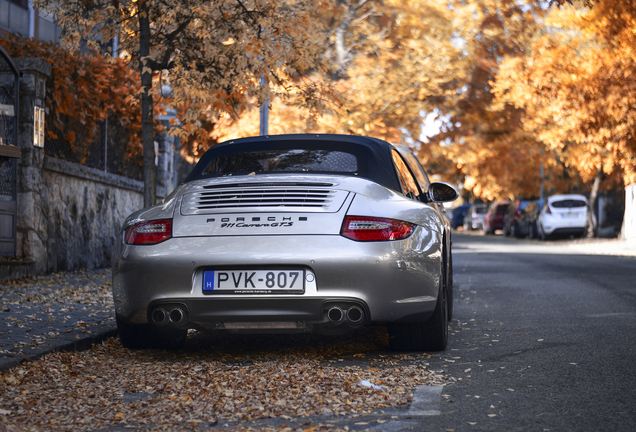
264 198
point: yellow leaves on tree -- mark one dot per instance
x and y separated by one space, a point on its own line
577 90
387 64
494 156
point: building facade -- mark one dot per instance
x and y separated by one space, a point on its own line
21 18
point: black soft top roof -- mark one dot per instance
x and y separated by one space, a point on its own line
374 155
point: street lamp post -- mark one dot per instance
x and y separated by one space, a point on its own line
264 128
541 175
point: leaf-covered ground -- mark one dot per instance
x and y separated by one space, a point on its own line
218 382
40 313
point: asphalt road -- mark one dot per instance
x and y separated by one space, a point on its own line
544 339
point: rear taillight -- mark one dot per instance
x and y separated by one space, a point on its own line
547 210
363 228
147 233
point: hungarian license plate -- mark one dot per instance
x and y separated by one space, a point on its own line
253 281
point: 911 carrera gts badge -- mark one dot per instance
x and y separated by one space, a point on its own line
255 225
255 222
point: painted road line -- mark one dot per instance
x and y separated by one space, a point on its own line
426 401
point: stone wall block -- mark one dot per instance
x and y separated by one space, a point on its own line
30 179
26 211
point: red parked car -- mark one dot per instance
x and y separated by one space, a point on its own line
494 219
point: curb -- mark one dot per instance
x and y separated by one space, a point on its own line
82 344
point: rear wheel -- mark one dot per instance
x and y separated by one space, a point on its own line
169 338
449 287
431 335
133 336
139 336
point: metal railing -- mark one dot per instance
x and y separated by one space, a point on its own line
110 147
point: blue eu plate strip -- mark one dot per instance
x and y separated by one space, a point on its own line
208 280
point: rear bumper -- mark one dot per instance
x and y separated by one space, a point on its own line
496 224
570 231
232 314
389 281
553 226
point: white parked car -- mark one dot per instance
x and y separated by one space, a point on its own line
563 215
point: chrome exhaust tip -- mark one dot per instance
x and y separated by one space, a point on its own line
177 316
355 315
159 316
335 314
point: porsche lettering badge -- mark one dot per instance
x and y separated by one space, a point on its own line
255 222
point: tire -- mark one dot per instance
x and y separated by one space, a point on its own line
169 338
431 335
449 287
541 234
140 336
133 336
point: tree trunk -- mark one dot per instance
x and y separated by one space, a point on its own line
341 51
147 120
591 216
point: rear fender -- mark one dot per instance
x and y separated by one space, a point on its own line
400 208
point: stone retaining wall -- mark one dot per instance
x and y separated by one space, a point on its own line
76 212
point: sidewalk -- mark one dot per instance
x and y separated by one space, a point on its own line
595 246
58 312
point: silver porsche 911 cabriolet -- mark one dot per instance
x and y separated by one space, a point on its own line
291 233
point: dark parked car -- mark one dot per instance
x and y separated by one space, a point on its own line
458 214
511 219
494 219
527 223
474 218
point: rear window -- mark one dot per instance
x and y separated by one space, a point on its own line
502 208
568 203
283 160
480 210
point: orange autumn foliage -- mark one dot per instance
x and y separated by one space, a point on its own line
82 91
576 87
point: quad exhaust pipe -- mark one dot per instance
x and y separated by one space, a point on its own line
355 314
173 315
352 315
335 314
